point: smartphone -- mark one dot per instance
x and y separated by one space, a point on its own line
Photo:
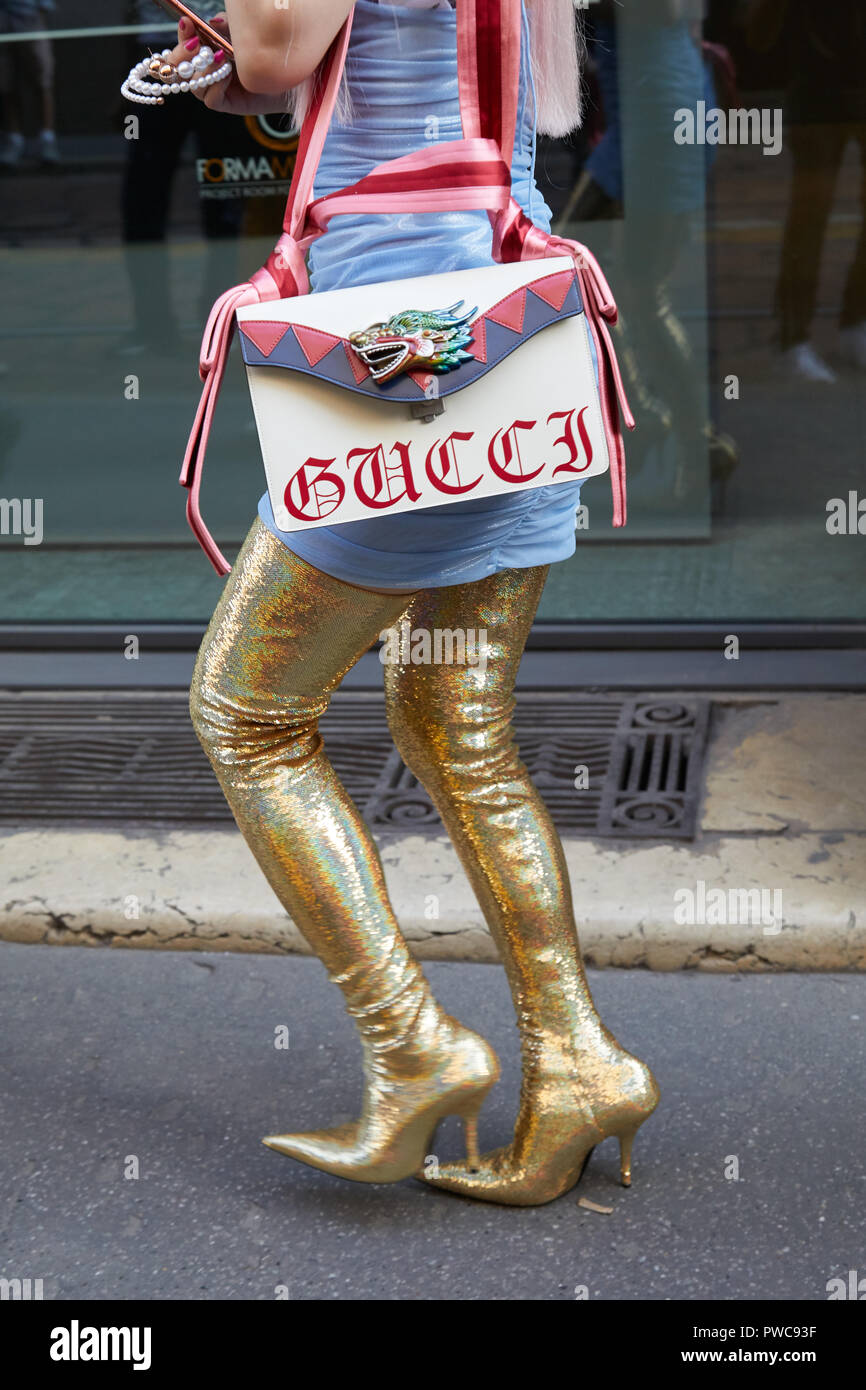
202 28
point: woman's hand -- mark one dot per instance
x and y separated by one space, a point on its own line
229 96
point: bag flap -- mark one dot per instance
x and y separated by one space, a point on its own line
378 339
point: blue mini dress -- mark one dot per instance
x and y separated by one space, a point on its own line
401 68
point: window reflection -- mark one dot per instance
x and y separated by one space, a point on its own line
740 275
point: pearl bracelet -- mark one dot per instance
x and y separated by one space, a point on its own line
188 76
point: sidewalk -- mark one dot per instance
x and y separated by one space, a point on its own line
166 1065
775 879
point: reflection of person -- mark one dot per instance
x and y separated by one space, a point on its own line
152 162
825 110
299 610
22 63
661 184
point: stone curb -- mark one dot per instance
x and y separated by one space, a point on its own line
660 906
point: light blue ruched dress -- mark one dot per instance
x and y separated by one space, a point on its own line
402 72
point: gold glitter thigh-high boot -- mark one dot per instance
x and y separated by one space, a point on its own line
452 724
280 641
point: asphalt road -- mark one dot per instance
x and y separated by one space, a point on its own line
165 1064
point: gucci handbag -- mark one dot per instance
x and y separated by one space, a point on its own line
422 391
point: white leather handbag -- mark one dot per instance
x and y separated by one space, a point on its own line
419 392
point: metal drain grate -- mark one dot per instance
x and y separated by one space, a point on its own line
606 766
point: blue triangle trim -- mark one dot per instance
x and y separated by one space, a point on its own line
334 366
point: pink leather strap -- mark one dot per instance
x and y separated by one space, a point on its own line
473 172
454 175
283 276
488 69
314 131
518 239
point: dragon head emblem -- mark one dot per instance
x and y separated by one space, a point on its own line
433 339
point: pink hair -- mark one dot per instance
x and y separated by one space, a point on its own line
556 45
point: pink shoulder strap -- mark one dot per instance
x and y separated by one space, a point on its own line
473 172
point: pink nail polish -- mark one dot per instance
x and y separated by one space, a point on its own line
191 44
219 20
219 55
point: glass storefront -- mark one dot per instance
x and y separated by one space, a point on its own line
719 178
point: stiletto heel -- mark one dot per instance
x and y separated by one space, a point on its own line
470 1129
469 1114
625 1142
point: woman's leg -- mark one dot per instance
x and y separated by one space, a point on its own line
452 724
281 639
816 151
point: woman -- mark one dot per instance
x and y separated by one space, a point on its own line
300 609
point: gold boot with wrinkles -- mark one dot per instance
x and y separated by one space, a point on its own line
560 1121
419 1065
452 725
281 638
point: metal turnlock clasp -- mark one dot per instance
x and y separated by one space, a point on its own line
427 410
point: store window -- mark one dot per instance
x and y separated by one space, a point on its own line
719 178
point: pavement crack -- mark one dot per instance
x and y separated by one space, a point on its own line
744 958
186 917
